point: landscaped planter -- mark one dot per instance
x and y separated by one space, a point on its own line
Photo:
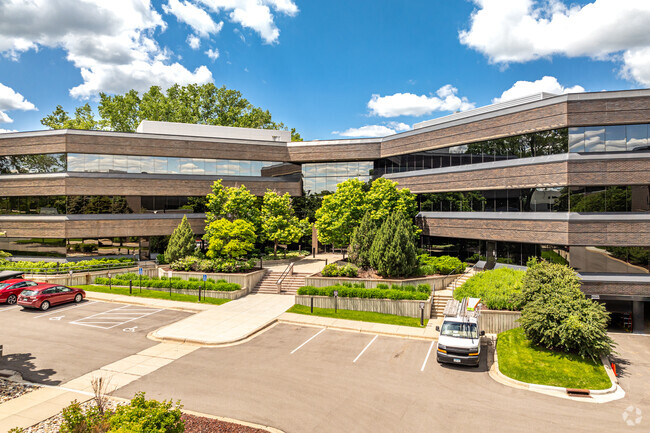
235 294
498 321
437 282
245 280
83 278
402 307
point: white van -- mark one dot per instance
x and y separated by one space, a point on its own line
460 340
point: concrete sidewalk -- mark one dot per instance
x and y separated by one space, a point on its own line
229 323
192 307
425 333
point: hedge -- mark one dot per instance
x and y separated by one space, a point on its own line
358 291
192 263
444 265
164 282
498 289
56 267
334 270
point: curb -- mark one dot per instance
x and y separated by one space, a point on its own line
203 343
129 300
557 391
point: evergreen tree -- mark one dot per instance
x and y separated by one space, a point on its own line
361 242
181 243
393 252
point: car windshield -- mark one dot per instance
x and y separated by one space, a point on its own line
459 330
29 292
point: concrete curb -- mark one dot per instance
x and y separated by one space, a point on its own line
203 343
615 392
121 299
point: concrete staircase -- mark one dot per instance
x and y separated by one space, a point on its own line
441 297
290 285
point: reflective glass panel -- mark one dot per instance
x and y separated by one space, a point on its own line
147 164
160 165
75 162
173 166
91 163
120 164
595 139
186 165
210 167
105 163
637 137
133 164
615 138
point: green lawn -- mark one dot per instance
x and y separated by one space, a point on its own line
152 294
519 360
362 316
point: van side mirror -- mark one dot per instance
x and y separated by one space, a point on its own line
438 328
482 333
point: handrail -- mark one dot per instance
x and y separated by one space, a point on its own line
287 271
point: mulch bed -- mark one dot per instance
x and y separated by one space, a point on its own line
197 424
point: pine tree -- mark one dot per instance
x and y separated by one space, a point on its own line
181 243
361 242
393 252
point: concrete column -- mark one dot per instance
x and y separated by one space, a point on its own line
638 319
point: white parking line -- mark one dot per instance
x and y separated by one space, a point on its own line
311 338
365 348
9 308
115 317
424 364
65 309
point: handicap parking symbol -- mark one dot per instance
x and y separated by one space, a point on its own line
129 329
57 318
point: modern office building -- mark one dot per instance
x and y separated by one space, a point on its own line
564 177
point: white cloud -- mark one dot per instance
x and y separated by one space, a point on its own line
192 15
7 131
525 30
255 14
110 42
12 100
213 54
389 128
194 42
408 104
545 84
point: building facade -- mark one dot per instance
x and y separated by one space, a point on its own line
566 178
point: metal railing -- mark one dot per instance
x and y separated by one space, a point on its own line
287 271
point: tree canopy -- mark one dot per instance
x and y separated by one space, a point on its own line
232 203
204 104
279 222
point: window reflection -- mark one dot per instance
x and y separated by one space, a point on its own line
321 177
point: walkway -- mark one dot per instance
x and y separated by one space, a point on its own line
228 323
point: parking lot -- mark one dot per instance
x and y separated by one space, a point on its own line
303 379
73 339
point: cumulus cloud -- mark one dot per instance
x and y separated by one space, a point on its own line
110 42
213 54
194 16
256 15
12 100
194 42
525 30
545 84
7 131
409 104
373 131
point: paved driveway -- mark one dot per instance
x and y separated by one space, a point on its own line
302 379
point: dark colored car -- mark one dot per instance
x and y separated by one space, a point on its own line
43 296
10 289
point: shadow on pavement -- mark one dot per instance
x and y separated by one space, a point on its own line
23 363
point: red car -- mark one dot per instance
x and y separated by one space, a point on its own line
10 289
44 295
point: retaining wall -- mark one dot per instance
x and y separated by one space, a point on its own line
248 280
408 308
497 321
437 282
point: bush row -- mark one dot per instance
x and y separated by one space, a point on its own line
54 267
444 265
191 263
334 270
164 283
349 291
498 289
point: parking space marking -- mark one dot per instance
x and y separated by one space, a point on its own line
65 309
115 317
424 364
365 348
310 338
10 308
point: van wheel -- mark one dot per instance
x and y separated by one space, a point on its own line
45 306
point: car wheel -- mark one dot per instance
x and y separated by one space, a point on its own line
45 306
12 299
78 298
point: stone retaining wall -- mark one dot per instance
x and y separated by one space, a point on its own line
408 308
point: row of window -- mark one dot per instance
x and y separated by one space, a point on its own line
617 138
564 199
39 247
42 163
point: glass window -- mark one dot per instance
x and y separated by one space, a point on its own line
576 140
244 168
173 166
133 164
120 164
595 139
160 165
210 167
91 163
198 166
105 163
637 137
615 138
147 164
75 162
186 165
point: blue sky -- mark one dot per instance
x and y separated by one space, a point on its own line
317 64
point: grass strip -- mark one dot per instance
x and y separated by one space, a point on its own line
521 360
361 316
155 294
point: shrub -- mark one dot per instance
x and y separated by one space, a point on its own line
181 242
334 270
164 283
393 251
361 241
556 314
147 416
56 267
348 291
160 258
232 239
440 265
499 289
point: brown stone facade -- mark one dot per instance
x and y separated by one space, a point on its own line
616 289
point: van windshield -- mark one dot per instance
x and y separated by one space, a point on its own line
459 330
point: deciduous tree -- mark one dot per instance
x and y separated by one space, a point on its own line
279 222
233 239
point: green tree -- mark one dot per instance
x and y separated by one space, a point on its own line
341 212
279 222
384 198
233 239
181 243
198 104
361 241
393 251
232 204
